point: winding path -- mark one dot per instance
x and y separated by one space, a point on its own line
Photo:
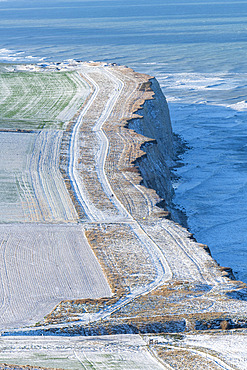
216 360
163 271
73 158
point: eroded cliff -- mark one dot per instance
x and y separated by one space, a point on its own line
153 121
123 153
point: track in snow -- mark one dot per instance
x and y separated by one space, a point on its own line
163 270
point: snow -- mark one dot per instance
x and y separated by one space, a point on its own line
121 352
32 187
40 266
231 346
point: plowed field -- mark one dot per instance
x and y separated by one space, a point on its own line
31 185
41 265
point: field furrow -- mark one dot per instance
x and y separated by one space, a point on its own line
32 100
41 265
32 186
50 191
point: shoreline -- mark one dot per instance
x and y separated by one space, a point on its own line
164 204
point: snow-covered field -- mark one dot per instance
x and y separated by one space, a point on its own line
64 227
192 351
123 352
230 346
14 154
32 187
40 266
37 100
213 350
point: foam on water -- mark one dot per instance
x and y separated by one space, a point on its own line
7 55
209 111
212 183
240 106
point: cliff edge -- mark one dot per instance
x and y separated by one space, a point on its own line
116 156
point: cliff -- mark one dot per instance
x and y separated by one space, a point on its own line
153 121
159 276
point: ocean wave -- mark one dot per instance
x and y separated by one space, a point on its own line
7 55
240 106
211 184
202 81
227 90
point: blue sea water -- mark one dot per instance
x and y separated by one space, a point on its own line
197 50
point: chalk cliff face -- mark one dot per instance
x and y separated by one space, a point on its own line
154 123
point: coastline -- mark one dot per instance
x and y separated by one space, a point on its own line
155 278
137 141
163 186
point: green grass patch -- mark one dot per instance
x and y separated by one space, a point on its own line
31 100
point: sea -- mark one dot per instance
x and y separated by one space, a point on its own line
197 50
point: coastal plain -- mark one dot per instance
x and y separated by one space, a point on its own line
91 243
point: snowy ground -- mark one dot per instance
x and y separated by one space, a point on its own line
191 351
109 352
213 350
229 346
32 187
43 264
40 266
